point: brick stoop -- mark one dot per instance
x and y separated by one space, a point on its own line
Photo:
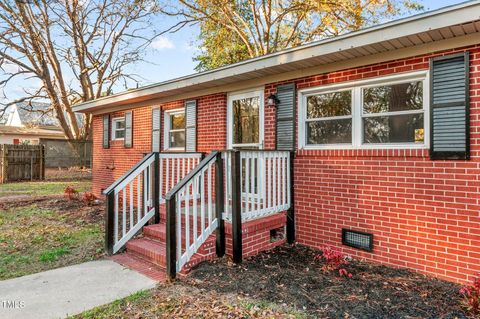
147 254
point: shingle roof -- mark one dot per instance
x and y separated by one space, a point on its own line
36 114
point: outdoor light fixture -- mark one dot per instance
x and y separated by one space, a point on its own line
273 100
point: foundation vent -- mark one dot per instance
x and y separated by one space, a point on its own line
357 239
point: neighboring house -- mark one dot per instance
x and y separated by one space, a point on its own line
383 125
25 123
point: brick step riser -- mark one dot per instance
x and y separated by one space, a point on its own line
157 259
195 260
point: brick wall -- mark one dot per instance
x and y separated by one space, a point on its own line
110 164
424 214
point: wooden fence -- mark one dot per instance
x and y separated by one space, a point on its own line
22 162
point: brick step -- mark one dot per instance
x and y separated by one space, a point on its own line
149 250
140 265
158 232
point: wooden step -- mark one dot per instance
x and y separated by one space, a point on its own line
149 250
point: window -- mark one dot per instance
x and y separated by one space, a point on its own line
378 113
393 113
329 118
118 128
175 129
245 113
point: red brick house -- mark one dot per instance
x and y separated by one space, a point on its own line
368 142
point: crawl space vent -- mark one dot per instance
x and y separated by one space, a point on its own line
357 239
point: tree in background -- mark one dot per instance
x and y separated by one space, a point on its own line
78 50
233 30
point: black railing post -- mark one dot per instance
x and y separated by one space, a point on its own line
171 238
236 206
156 188
219 206
109 222
291 210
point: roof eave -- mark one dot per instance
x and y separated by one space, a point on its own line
444 17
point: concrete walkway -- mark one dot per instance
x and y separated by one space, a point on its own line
70 290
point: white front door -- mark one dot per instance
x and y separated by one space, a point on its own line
245 120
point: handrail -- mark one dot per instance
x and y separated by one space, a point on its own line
128 173
190 175
192 217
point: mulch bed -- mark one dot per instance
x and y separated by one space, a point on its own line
289 275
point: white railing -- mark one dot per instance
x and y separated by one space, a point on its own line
265 183
173 168
191 209
130 203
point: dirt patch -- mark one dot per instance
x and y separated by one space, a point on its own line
65 174
290 276
73 210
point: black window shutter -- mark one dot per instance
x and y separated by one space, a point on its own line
449 107
106 131
156 129
128 141
191 126
285 126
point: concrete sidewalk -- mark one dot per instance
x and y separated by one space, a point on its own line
69 290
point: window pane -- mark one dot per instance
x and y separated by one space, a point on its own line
329 132
329 104
119 124
120 133
392 98
407 128
177 139
246 120
177 121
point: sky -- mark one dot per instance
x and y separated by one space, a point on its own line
174 53
171 55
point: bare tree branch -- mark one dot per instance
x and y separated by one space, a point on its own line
79 50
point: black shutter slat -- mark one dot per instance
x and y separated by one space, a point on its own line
285 126
449 108
106 131
191 126
128 141
156 130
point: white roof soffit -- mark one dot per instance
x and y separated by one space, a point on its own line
445 23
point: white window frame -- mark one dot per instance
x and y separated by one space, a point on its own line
114 130
167 129
357 111
244 95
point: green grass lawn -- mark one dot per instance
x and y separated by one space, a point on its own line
48 234
42 187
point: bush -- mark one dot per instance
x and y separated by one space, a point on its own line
333 260
70 192
89 199
471 296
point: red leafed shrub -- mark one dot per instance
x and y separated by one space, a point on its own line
344 273
88 198
471 296
70 192
333 260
